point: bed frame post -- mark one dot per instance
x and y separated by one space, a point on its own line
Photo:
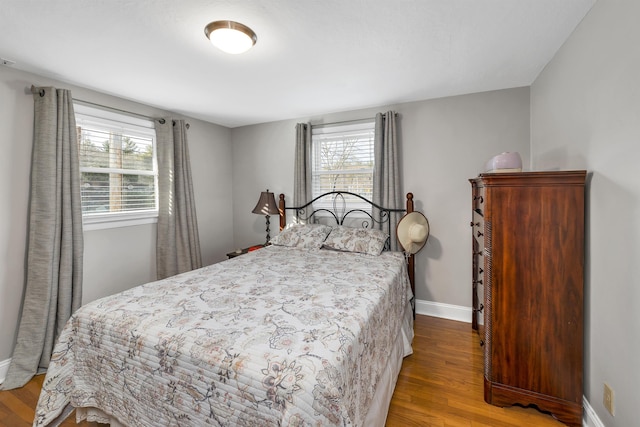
411 262
283 212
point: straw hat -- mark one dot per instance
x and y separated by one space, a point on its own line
412 232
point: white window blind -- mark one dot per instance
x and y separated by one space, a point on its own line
343 159
117 165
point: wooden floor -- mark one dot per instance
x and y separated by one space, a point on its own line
440 385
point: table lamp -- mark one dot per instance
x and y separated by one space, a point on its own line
266 206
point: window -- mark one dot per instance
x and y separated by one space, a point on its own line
118 167
343 159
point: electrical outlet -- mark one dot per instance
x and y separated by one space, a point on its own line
607 398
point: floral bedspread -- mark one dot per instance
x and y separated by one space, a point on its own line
280 336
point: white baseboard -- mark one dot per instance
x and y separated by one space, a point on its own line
463 314
445 311
589 416
4 367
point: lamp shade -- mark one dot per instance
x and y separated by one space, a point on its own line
266 204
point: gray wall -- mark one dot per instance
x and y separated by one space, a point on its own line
115 259
585 113
444 142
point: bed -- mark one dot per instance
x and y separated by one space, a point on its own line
308 331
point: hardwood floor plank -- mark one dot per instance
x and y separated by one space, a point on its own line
17 407
440 385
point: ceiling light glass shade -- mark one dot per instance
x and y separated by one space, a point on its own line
230 37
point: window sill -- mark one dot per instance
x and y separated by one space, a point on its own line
101 222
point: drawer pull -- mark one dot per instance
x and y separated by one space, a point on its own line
477 282
479 198
481 343
478 253
474 224
480 233
480 308
480 271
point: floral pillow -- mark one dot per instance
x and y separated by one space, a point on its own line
362 240
307 236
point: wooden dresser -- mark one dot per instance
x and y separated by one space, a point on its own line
528 270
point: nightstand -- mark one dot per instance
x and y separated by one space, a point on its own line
243 251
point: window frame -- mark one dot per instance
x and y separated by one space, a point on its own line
342 129
129 125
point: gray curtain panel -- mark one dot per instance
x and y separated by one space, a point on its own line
386 174
55 246
177 243
302 169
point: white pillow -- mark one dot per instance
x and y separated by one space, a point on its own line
308 236
361 240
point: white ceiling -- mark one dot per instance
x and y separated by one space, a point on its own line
312 56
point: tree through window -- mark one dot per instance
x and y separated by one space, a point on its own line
343 160
117 163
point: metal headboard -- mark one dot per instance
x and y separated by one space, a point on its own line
381 217
333 205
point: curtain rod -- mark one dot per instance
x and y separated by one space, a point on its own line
35 89
93 104
118 110
346 122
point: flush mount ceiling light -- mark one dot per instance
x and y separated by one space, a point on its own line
231 37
